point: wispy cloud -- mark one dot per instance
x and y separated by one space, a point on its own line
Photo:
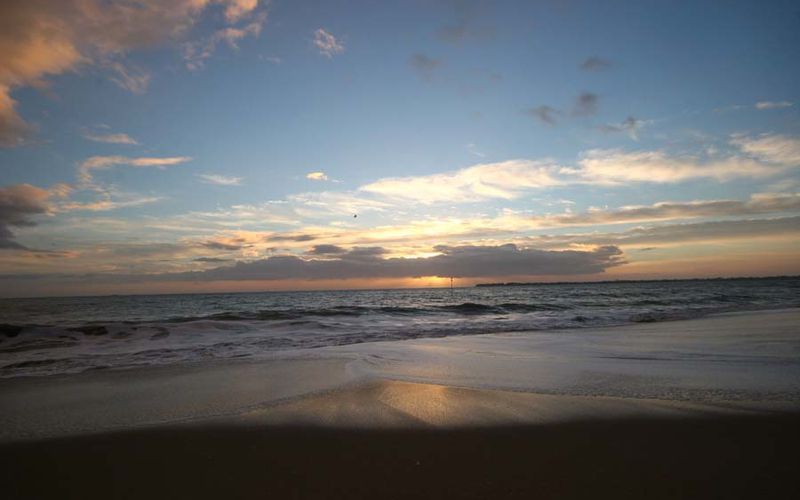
195 53
109 138
620 167
131 78
424 65
221 180
629 125
773 104
767 203
326 204
106 162
772 148
675 234
595 63
473 149
585 104
327 44
544 114
107 203
470 22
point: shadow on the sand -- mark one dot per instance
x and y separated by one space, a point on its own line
731 457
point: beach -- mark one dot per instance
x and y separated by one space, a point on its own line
695 408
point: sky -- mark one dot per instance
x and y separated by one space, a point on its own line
240 145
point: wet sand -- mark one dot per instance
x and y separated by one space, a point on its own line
712 457
416 420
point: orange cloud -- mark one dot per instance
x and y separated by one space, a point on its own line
40 38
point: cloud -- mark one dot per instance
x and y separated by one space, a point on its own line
455 261
630 126
473 149
106 162
545 114
109 197
595 63
333 203
327 44
469 23
42 38
230 244
237 9
619 167
482 227
131 78
585 104
773 104
676 234
14 131
771 148
211 260
326 250
424 66
107 203
109 138
456 33
221 180
317 176
292 237
18 204
504 180
195 53
764 203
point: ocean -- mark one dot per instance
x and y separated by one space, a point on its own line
47 336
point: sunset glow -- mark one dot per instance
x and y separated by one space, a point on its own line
191 146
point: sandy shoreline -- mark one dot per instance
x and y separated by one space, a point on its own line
719 365
494 416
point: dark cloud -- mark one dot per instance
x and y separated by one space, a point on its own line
291 237
215 260
18 203
456 33
224 245
545 114
424 66
469 23
595 63
456 261
358 252
326 250
585 104
630 125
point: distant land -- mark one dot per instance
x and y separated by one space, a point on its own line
665 280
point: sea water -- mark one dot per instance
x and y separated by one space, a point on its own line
45 336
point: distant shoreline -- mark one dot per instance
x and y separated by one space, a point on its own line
605 282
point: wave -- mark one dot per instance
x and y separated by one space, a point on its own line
77 335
